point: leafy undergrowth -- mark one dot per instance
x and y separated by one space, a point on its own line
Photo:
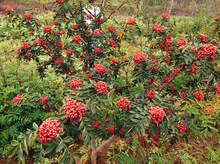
139 149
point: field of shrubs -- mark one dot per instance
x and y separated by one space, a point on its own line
115 90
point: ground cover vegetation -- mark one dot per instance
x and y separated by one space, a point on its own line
127 78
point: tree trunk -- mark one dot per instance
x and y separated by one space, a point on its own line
171 6
96 150
93 157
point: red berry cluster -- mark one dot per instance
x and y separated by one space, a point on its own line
113 61
43 100
59 1
25 46
75 83
150 94
28 16
217 90
16 100
158 28
166 43
97 50
97 32
95 124
28 56
112 43
110 129
75 26
76 39
131 21
138 58
194 69
69 52
74 109
59 62
48 130
48 29
208 50
157 114
181 128
111 28
100 69
182 42
123 103
6 8
165 16
199 95
101 87
203 37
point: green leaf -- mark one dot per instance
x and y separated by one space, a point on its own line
20 152
78 155
24 144
67 139
12 151
60 146
65 154
14 143
35 126
50 148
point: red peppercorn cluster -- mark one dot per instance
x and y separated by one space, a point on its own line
59 1
199 95
69 52
95 124
59 62
41 42
97 50
25 46
194 69
182 42
111 28
203 37
150 94
165 16
110 129
182 95
208 50
157 114
75 26
6 8
28 16
48 29
131 21
101 87
97 32
43 100
166 43
121 131
100 69
76 39
74 109
75 83
48 130
216 19
138 58
181 128
217 90
123 103
16 100
28 56
112 43
113 61
158 28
